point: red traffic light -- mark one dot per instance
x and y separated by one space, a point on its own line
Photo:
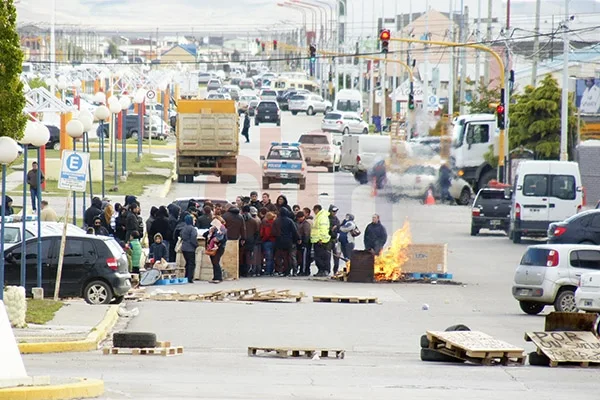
500 109
385 35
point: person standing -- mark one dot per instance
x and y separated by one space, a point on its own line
174 211
189 243
346 237
131 222
236 230
320 237
203 222
151 218
158 249
136 251
303 248
99 230
254 202
445 180
268 241
246 127
33 183
375 236
286 235
252 236
334 226
161 226
266 200
92 212
48 214
108 219
217 235
282 202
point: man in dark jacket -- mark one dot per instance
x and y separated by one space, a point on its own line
236 230
375 236
92 212
251 238
33 184
303 247
334 226
174 211
254 202
445 181
246 127
287 236
131 222
203 222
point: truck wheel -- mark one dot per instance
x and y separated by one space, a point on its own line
302 184
465 197
516 237
330 169
224 179
346 131
233 179
189 179
485 179
265 183
255 121
531 308
180 178
474 230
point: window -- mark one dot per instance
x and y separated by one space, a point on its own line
535 257
284 154
480 133
563 187
73 248
313 139
298 97
348 105
267 106
535 185
333 116
12 235
492 194
588 259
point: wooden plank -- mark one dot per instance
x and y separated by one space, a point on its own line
162 351
473 341
292 352
567 346
569 321
344 299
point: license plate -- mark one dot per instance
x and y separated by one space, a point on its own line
587 303
283 175
496 222
267 117
524 292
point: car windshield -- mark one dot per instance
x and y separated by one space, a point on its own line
492 194
421 170
246 98
313 139
253 103
333 116
269 93
458 132
298 97
270 106
535 257
348 105
284 154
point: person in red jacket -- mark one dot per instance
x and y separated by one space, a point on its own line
268 241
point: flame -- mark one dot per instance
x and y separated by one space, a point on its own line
388 264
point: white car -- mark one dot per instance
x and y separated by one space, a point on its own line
214 84
308 103
319 147
587 295
418 179
218 96
344 123
268 94
13 230
548 274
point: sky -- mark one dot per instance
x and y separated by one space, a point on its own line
244 17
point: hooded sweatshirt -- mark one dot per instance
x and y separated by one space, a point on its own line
161 224
236 227
8 210
284 205
92 212
347 226
99 230
285 230
189 235
158 251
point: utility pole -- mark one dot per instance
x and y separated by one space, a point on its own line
52 58
564 112
463 60
425 101
505 174
451 74
536 43
477 52
488 38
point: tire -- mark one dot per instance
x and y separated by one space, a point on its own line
457 328
180 178
336 168
255 121
531 308
117 300
540 360
56 146
189 179
310 111
224 179
330 169
327 110
434 356
97 292
134 135
516 237
484 180
365 131
265 184
565 301
465 197
474 230
346 131
138 340
233 179
302 184
278 122
294 112
588 242
424 342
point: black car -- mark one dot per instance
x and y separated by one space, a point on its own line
267 111
54 142
491 210
94 267
132 127
582 228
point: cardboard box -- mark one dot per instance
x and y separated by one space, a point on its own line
427 258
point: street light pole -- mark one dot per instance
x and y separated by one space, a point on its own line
9 151
564 110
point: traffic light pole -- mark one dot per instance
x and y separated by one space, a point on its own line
501 138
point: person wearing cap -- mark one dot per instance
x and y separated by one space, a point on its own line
346 236
320 237
334 226
251 239
254 202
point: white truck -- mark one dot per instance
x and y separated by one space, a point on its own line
472 136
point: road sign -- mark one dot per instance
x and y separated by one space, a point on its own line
73 171
150 94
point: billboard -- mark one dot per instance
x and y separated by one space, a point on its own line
587 95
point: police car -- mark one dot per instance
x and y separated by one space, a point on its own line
284 163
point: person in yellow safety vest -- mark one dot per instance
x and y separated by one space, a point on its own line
320 239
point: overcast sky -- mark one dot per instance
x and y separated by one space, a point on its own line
244 16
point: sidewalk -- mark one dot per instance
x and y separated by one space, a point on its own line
77 326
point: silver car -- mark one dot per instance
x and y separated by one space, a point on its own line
345 123
213 84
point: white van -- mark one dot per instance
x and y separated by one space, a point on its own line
544 192
360 152
349 100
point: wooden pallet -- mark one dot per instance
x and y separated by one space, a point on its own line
290 352
475 347
223 294
272 295
344 299
581 348
136 294
168 276
155 351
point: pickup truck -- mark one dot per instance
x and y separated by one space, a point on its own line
491 210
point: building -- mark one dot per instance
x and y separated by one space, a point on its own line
180 53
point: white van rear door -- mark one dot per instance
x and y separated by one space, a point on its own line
349 151
563 200
534 203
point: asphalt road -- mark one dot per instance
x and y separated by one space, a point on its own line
381 340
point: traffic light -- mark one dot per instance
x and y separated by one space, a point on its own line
500 115
313 53
411 101
275 45
262 46
330 76
384 37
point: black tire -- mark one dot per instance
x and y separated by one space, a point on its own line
474 230
531 308
330 169
139 340
486 178
255 121
346 131
365 131
516 237
434 356
294 112
457 327
540 360
180 178
97 292
336 168
117 300
465 197
189 179
265 184
224 179
233 179
424 342
310 111
278 122
565 301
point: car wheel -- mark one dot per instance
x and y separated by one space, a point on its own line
278 122
134 135
531 308
474 230
136 340
330 169
565 301
265 183
56 146
255 121
302 184
189 179
336 168
457 328
97 292
435 356
516 237
310 111
365 131
294 112
117 300
424 342
180 178
540 360
465 197
233 179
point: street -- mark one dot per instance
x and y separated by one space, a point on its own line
381 340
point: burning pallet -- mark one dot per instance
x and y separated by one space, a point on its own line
292 352
475 347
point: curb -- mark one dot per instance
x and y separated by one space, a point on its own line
96 335
167 185
85 388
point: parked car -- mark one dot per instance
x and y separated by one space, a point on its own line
54 142
548 274
214 84
267 111
587 295
284 98
205 77
491 210
13 231
344 123
252 107
217 96
308 103
320 149
160 129
432 141
235 81
417 180
94 267
582 228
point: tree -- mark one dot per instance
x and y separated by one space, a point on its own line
12 97
37 82
535 120
481 102
113 49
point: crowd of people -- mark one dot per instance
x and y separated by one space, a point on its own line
274 239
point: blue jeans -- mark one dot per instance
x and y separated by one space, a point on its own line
268 253
34 197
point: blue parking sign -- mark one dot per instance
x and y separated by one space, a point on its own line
73 172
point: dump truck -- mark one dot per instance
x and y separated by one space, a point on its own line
207 139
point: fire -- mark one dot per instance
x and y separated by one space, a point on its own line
388 264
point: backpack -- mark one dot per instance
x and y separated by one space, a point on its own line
355 232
